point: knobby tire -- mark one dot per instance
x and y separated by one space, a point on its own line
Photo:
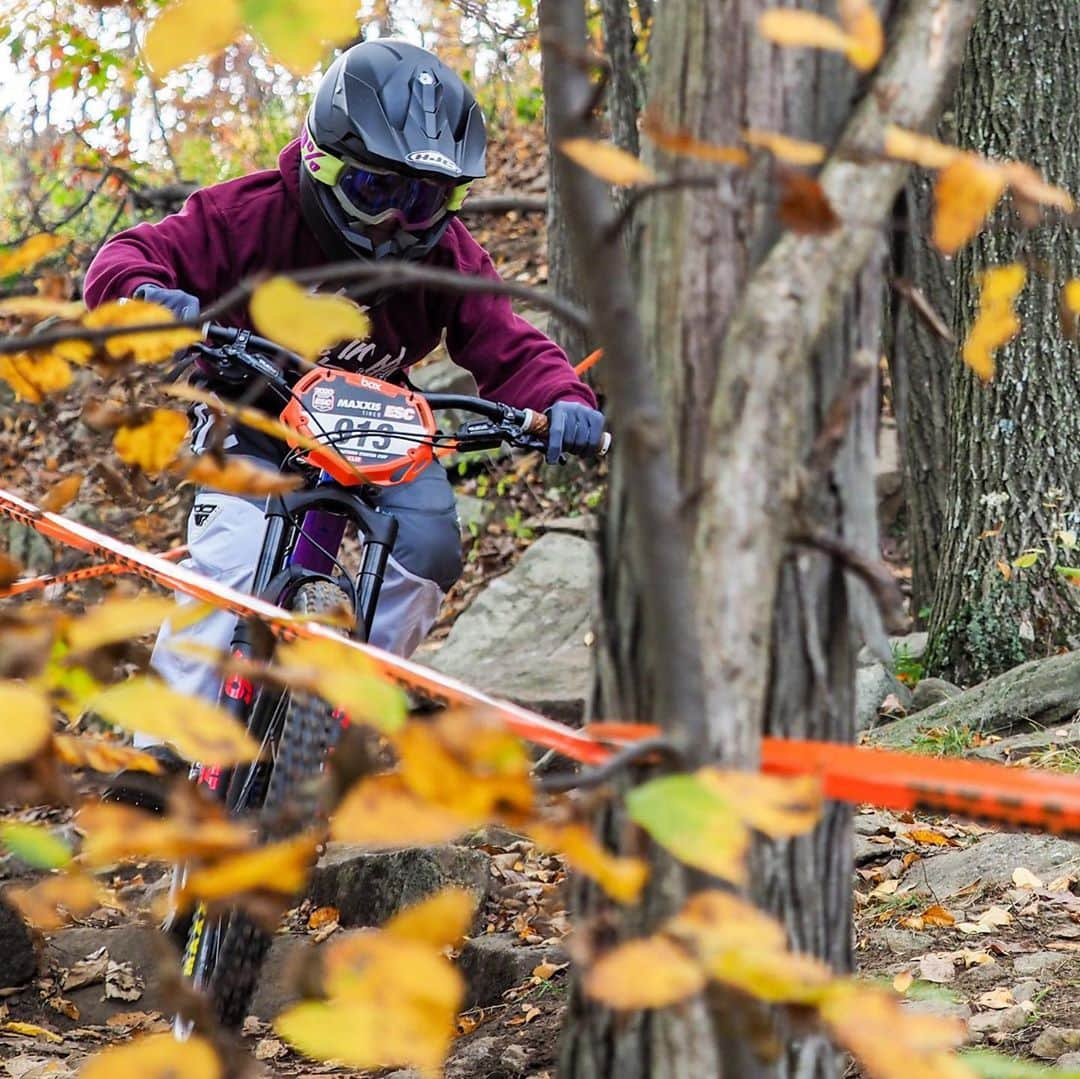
310 731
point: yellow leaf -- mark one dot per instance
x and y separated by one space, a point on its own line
61 495
29 252
48 904
995 917
997 999
31 1030
1026 182
150 347
35 844
794 29
683 144
607 161
298 34
155 1056
303 322
937 916
1024 878
440 920
323 916
650 973
343 677
1071 295
867 43
152 445
280 867
927 835
41 307
239 476
101 756
776 977
116 833
1026 559
793 151
778 807
189 29
33 377
903 982
904 145
199 731
124 618
713 922
996 323
381 812
967 189
621 878
27 722
890 1042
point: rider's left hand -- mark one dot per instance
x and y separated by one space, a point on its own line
574 428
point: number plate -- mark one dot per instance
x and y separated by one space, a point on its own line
381 429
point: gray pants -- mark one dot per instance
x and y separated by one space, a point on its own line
224 535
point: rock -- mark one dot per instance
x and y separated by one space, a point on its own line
992 859
441 375
1018 746
1004 1021
1025 991
866 849
937 968
1069 1060
585 525
984 974
524 637
876 822
947 1009
18 957
872 686
136 949
1038 962
908 646
368 887
277 981
473 513
931 691
515 1060
904 941
496 962
1055 1042
475 1057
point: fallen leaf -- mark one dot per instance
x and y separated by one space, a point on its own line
155 1056
238 476
546 970
121 982
607 161
154 444
269 1049
322 916
928 836
62 494
305 323
199 731
937 916
1024 878
87 971
33 378
995 916
903 981
31 1030
974 958
998 999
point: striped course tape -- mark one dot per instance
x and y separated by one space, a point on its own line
1018 797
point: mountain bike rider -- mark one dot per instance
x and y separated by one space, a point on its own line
390 146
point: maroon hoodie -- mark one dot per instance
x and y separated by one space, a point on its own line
253 225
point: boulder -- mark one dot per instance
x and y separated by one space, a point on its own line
496 962
18 957
931 691
473 513
525 636
1005 1021
908 646
278 979
1018 746
369 887
872 686
138 946
1038 963
1055 1042
992 860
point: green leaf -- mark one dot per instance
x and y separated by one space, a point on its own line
989 1065
35 845
695 823
1026 559
1071 573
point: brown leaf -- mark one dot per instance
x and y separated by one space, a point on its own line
682 144
804 207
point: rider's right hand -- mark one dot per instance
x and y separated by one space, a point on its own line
182 304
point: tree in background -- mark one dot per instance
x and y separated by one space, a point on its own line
1013 509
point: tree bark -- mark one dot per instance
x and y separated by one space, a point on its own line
625 89
920 363
1015 478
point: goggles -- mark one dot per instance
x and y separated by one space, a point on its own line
375 195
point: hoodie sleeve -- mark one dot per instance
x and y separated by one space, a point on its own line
188 250
511 360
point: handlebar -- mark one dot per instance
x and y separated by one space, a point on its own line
528 421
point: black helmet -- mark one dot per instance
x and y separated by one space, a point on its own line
390 146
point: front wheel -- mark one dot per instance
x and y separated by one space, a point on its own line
227 961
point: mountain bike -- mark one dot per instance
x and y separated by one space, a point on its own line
357 433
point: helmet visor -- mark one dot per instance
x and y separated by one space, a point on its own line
376 196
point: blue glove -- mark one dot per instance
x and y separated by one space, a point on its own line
182 304
574 428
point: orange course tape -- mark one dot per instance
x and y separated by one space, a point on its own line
1019 797
86 573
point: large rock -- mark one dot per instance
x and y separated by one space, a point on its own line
1018 746
278 980
368 887
496 962
992 860
931 691
18 959
872 686
524 637
141 946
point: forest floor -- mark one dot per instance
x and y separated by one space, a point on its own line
965 920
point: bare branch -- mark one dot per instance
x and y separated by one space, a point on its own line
616 763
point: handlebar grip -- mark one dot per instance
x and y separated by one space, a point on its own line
536 423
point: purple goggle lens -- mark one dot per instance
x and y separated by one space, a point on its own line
379 196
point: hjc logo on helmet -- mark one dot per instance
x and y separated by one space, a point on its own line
433 159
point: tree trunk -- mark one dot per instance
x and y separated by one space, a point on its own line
920 363
1015 481
625 90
